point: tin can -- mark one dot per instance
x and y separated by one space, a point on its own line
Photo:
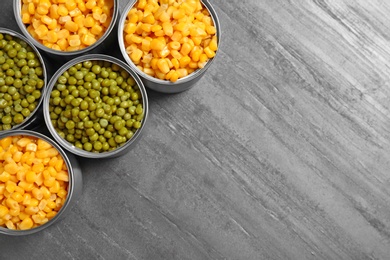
166 86
74 187
102 42
35 119
81 152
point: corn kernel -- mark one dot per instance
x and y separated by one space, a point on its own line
27 223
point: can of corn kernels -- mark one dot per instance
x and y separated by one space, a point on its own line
40 217
62 136
27 65
163 85
68 29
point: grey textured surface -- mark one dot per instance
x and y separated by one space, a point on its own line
281 151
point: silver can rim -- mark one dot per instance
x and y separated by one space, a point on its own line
166 83
17 13
71 184
70 147
43 90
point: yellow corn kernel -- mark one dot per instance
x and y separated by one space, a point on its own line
51 205
10 186
62 193
136 55
46 19
156 27
62 34
26 199
31 8
185 49
160 75
25 185
52 25
51 214
96 29
157 44
62 10
75 12
136 39
23 142
81 6
153 63
71 26
63 19
130 28
176 54
26 18
210 53
31 147
3 211
45 192
193 65
63 44
52 37
203 57
42 10
53 11
168 28
145 45
42 204
195 54
70 5
37 193
5 176
184 61
18 197
27 223
89 21
31 176
10 224
149 19
175 63
14 213
6 142
105 20
55 188
33 202
182 72
88 39
178 13
164 17
163 66
11 203
49 182
213 44
90 4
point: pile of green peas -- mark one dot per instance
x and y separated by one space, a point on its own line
21 81
96 106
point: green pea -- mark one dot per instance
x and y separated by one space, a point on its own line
25 112
87 146
6 120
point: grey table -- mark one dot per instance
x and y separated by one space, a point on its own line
281 151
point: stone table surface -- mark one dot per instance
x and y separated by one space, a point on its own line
281 151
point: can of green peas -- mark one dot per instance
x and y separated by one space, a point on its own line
96 106
23 80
